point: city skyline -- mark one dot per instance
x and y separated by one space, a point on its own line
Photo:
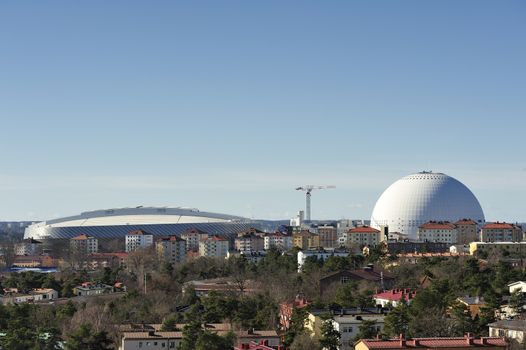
228 107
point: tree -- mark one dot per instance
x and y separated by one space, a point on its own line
211 341
330 337
367 330
85 338
191 332
304 341
397 321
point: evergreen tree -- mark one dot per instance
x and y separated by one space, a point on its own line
330 337
397 321
85 338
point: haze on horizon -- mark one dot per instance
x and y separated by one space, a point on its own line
227 107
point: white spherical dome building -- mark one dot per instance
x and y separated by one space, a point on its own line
418 198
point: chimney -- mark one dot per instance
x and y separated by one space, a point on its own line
402 340
469 339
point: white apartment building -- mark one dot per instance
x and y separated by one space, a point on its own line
278 240
349 326
440 232
214 246
138 240
171 249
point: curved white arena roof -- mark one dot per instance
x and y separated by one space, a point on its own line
418 198
117 222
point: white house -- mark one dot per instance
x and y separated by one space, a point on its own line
319 254
517 286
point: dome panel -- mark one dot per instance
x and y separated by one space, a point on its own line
418 198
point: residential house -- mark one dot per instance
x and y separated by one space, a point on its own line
12 296
511 329
446 343
473 304
393 297
91 289
331 281
152 338
346 321
320 254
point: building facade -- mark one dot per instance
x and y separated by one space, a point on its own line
193 237
364 236
328 236
441 231
84 244
28 246
214 247
279 240
171 249
500 232
138 240
249 242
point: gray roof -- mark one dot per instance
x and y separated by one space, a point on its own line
519 325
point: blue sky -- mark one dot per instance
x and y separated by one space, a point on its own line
229 105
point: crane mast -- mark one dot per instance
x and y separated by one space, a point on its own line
308 192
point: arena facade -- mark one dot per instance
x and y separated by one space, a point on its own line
160 221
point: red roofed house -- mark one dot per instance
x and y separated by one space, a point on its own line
394 296
364 236
450 343
500 232
441 231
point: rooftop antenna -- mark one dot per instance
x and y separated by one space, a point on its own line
308 189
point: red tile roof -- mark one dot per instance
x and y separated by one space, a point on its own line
457 342
139 232
499 225
441 225
396 294
465 222
81 237
172 238
363 229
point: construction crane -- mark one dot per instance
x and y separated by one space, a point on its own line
308 189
